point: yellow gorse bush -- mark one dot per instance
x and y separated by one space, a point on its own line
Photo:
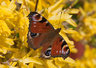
87 22
14 23
85 32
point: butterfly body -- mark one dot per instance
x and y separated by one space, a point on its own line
42 34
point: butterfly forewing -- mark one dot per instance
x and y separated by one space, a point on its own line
38 29
38 24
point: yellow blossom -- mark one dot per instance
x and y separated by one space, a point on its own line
14 50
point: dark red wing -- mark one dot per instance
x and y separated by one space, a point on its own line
60 48
38 24
56 47
38 28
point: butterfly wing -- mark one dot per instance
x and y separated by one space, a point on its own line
38 30
38 24
59 48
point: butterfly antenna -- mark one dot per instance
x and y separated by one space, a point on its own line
36 5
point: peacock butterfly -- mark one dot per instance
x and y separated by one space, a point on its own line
42 34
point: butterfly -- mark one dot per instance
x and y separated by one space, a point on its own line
42 34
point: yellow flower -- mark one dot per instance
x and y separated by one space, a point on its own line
89 21
88 59
14 50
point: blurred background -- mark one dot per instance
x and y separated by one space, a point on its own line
76 18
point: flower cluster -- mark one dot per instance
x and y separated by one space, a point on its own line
77 23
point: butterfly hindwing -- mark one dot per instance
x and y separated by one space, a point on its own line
59 48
